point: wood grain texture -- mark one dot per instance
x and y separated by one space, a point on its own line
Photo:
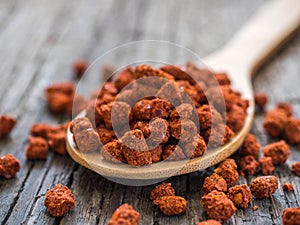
40 39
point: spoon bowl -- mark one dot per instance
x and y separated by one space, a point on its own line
240 58
159 170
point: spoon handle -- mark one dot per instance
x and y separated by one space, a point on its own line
265 32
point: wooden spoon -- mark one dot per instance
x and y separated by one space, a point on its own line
267 30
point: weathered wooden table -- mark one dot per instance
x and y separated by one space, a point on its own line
39 39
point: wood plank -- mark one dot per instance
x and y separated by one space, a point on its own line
61 168
17 141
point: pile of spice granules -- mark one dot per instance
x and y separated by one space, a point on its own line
157 125
160 114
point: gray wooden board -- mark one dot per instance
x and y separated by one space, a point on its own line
40 39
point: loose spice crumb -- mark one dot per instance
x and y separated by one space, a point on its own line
106 135
228 170
124 78
292 131
171 205
107 71
183 130
296 168
59 96
176 72
222 78
59 200
291 216
218 136
248 165
183 111
261 99
206 114
112 151
37 148
278 151
218 206
214 182
240 195
86 138
7 123
286 107
115 112
163 189
9 166
287 187
156 154
235 118
135 148
145 70
195 148
56 136
173 153
266 165
39 130
125 214
275 121
255 207
79 67
250 146
159 131
264 186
